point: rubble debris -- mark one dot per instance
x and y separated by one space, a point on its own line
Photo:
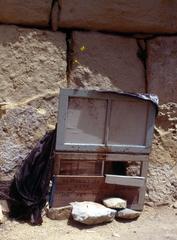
91 213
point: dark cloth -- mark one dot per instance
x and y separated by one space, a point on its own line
29 188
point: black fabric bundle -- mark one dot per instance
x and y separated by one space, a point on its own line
29 188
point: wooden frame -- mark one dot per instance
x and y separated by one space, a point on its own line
62 145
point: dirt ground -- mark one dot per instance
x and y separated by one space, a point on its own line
154 224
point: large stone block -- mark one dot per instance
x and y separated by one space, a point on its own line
107 62
32 62
120 15
32 68
162 68
21 128
28 12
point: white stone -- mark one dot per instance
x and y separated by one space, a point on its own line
1 215
91 213
116 203
175 205
4 206
128 214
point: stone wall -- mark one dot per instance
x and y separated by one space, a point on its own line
32 68
35 63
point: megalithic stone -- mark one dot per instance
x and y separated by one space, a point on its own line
120 16
28 12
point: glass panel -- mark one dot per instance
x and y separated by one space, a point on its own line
128 122
85 121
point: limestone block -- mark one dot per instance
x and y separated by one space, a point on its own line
161 68
32 68
32 63
28 12
140 16
107 62
116 203
91 213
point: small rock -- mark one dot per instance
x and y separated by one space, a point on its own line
116 235
90 231
175 205
116 203
60 213
5 207
128 214
149 204
1 216
92 213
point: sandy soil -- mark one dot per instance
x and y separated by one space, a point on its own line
154 224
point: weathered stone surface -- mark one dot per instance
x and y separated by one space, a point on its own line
107 62
32 68
162 177
20 129
91 213
32 63
120 16
128 214
59 213
28 12
161 68
116 203
161 184
164 149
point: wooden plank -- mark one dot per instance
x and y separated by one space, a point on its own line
78 167
100 156
82 188
125 180
150 124
61 119
144 170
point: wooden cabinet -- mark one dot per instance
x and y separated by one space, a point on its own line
96 128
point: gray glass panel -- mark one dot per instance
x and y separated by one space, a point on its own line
85 121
